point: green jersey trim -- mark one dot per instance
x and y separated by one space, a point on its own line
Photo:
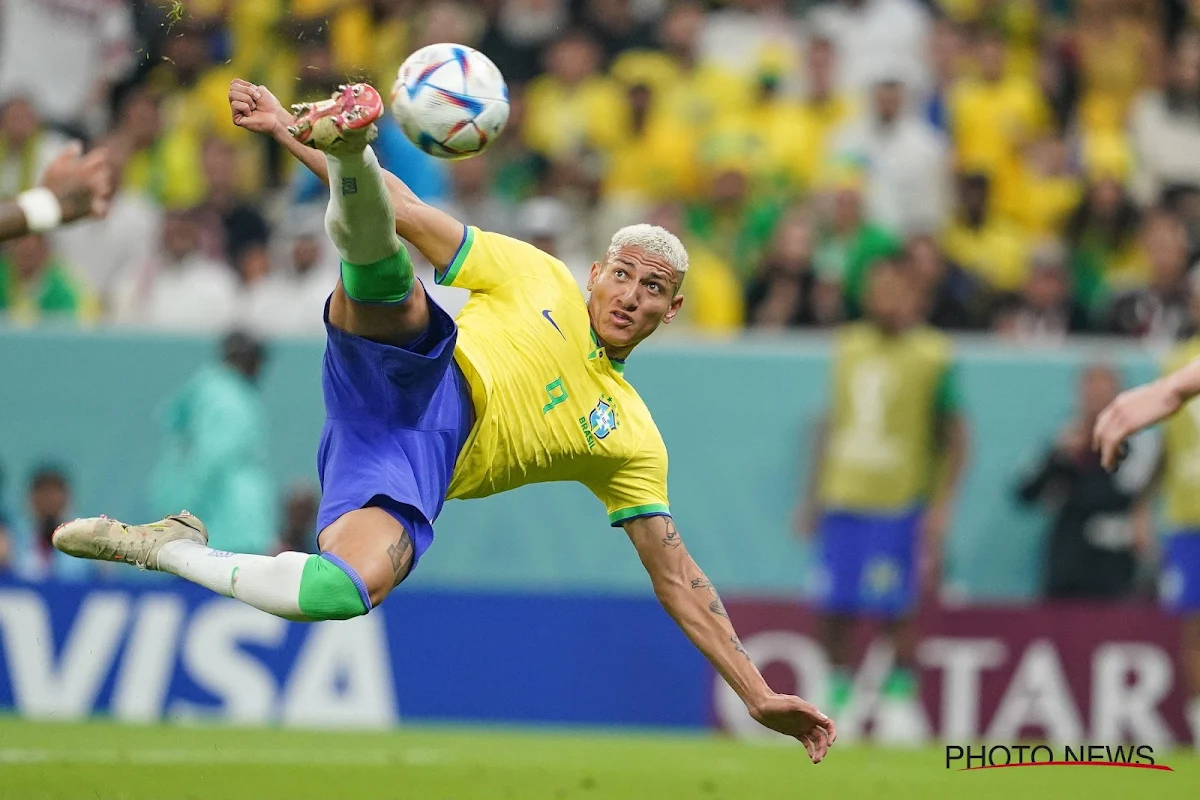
445 277
621 516
949 397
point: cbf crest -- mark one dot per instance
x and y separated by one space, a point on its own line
600 422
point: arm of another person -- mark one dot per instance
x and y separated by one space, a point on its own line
73 186
692 601
436 234
1139 408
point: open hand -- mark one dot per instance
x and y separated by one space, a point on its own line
1129 413
256 109
799 719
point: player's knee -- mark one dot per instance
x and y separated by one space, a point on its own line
331 589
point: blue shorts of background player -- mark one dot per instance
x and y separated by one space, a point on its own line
866 563
395 421
1180 583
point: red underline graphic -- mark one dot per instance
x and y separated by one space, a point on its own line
1162 767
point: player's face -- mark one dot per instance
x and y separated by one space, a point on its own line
632 293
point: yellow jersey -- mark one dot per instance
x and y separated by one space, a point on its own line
550 405
888 393
1181 448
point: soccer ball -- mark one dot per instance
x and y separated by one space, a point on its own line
450 100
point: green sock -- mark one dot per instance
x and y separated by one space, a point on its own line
840 685
388 280
901 684
328 592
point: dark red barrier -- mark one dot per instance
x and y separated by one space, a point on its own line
1065 673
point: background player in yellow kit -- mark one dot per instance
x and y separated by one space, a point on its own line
526 387
887 464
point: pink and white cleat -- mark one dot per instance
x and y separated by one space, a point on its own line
105 539
345 123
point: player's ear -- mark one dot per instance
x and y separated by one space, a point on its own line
676 304
593 275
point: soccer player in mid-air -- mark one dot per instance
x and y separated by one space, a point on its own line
526 387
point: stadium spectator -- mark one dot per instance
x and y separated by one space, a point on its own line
178 287
517 32
48 505
992 116
35 285
738 35
1117 54
1044 311
195 106
1165 125
1101 521
906 163
1160 310
885 470
228 224
728 219
1102 233
573 108
100 249
617 27
471 198
850 243
695 91
872 35
714 295
953 298
654 161
945 58
26 148
72 52
1049 190
787 292
299 531
986 245
823 108
214 458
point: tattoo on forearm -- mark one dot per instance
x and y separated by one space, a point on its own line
401 552
737 645
716 606
672 538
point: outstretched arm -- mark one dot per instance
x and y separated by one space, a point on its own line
692 601
1142 407
432 231
73 186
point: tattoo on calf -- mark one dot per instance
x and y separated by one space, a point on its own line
672 538
401 552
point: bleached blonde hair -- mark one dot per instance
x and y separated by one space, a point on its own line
652 239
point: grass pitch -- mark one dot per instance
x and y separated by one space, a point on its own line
102 760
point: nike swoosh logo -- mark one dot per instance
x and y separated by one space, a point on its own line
546 314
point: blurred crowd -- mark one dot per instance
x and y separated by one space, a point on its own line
1035 164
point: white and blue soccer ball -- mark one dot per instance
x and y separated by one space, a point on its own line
451 101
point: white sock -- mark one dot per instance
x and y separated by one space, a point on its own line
360 219
270 584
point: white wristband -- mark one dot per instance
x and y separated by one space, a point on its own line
41 209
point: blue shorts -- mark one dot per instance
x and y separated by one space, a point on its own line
1180 583
866 563
395 421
